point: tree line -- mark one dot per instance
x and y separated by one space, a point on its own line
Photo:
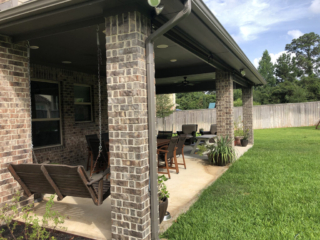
295 77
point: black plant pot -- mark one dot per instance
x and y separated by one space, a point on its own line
244 143
163 206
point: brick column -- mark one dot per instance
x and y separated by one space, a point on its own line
15 123
247 100
128 125
224 90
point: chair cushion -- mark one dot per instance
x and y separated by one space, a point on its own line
189 128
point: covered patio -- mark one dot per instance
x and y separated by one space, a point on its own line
144 54
87 220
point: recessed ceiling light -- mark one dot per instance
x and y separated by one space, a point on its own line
162 46
173 60
34 47
66 62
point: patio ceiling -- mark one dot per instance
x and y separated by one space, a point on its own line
66 31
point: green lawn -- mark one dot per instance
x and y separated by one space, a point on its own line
272 192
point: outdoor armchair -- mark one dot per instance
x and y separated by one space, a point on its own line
190 132
213 130
164 134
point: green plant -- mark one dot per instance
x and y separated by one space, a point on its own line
246 134
238 129
162 188
222 151
34 228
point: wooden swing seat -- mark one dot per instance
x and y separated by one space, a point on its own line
62 180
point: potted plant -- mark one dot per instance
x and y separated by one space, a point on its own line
238 135
244 140
163 196
238 132
220 154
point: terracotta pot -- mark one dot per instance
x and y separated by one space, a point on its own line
244 143
163 206
237 141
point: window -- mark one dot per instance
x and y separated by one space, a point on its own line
82 103
46 117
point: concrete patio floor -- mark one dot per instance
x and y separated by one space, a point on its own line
85 219
186 187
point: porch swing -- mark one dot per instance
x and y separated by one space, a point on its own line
63 180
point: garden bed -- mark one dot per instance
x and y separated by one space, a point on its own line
19 231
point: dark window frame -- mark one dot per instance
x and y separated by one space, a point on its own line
84 103
50 119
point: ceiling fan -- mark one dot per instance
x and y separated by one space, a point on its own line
186 83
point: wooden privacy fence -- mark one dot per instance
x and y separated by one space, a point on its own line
264 116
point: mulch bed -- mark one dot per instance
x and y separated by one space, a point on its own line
57 234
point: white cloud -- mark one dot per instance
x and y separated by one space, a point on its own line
274 57
295 33
248 18
315 6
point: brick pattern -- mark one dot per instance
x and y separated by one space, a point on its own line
14 113
247 100
128 126
74 148
224 86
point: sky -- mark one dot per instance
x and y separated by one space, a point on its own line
259 25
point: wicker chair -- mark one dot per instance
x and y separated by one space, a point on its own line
213 130
190 132
164 134
170 157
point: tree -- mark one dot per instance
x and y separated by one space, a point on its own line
195 100
285 68
307 51
266 69
164 106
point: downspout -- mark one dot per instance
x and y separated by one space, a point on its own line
152 112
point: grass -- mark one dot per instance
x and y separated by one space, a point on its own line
272 192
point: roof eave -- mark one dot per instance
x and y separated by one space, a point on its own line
204 11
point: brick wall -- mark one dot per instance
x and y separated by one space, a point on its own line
224 85
74 148
14 113
128 125
15 124
247 100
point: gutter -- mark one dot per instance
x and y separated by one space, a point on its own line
185 12
224 37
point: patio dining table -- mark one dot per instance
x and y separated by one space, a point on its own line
204 138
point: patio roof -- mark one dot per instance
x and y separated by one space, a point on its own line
65 30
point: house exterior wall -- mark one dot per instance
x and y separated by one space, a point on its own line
74 148
15 121
128 125
15 124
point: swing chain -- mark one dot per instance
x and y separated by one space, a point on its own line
99 94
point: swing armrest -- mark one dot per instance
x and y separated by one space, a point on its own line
105 173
